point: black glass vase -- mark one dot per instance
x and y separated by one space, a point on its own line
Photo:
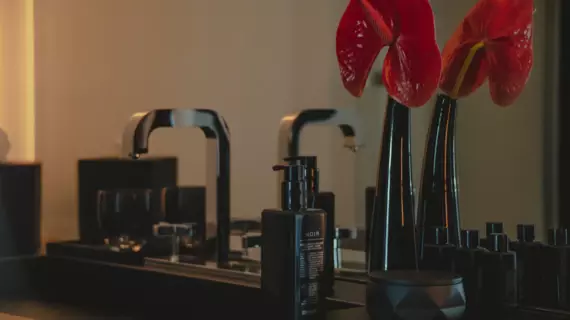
392 244
438 200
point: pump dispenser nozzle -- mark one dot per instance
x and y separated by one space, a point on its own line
293 187
292 251
310 163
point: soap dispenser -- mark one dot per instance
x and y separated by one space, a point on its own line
528 265
498 277
466 263
555 282
292 251
323 201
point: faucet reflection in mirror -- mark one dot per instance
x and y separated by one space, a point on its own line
291 126
136 142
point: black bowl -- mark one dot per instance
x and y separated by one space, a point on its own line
413 295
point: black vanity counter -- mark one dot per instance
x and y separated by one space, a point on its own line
58 287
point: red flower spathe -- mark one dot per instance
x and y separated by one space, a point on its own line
494 41
413 63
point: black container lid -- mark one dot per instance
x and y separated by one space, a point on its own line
414 278
525 233
470 239
498 242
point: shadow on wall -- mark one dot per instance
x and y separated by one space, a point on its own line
4 145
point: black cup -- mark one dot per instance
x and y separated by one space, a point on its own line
126 217
183 205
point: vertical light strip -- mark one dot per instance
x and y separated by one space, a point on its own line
2 62
30 90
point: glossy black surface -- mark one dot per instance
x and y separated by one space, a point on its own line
310 163
115 173
102 253
326 202
293 187
528 270
466 264
412 295
129 212
438 253
392 236
20 206
555 274
292 251
498 276
55 288
438 200
187 205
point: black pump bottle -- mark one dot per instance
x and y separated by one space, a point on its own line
324 201
292 251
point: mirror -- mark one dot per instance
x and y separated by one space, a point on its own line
499 151
89 80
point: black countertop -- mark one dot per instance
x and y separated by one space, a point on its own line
56 287
38 310
41 310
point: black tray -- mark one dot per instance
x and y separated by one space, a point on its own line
102 253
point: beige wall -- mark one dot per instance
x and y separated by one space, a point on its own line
16 80
98 61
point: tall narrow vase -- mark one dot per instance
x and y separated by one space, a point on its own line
438 201
392 236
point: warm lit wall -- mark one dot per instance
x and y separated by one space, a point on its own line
98 61
17 80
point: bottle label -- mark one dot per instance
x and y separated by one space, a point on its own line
310 269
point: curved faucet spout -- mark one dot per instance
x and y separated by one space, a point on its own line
135 143
291 126
141 125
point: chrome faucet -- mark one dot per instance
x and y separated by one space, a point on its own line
136 142
291 126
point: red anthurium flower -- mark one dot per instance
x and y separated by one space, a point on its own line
495 42
413 63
